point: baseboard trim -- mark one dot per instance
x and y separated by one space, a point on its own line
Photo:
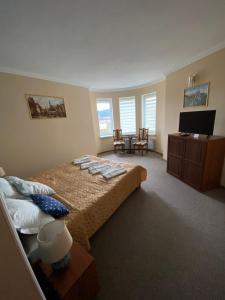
108 151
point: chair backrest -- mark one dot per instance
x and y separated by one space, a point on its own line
143 134
117 135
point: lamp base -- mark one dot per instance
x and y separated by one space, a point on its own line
60 265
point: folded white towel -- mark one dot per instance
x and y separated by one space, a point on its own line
86 165
113 172
81 160
98 169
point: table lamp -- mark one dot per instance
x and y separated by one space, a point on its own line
2 172
54 243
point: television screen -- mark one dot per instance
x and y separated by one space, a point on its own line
201 122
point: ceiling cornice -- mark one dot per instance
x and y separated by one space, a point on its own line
135 87
41 77
200 56
195 58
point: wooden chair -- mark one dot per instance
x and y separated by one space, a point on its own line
118 140
142 142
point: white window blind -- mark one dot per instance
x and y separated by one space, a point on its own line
149 112
105 116
127 114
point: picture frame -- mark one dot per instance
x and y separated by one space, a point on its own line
45 107
196 96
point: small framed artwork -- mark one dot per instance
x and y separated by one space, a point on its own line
46 107
196 96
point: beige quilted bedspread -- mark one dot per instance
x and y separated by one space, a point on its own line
90 198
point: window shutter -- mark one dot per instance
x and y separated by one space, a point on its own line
149 112
127 115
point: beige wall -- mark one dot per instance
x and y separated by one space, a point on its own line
106 144
29 146
17 279
210 69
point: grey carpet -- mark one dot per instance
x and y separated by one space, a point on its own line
166 241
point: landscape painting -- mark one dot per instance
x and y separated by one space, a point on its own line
196 96
44 107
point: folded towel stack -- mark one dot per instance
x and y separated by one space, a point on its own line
99 169
113 172
96 167
89 164
81 160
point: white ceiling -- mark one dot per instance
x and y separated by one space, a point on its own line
107 44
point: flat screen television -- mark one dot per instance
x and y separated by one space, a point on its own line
200 122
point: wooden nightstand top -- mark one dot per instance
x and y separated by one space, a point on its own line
64 281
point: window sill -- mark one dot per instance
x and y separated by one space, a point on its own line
106 137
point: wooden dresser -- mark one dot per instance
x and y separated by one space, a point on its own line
196 161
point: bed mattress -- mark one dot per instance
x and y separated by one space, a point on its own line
90 198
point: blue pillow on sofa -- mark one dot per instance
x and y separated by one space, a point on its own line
49 205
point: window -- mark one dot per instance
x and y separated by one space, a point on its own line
105 117
149 112
128 114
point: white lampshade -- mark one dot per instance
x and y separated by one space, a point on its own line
2 172
54 241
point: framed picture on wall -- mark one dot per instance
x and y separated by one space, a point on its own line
45 107
196 96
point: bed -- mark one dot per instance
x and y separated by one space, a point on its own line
90 198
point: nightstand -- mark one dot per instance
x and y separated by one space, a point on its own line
78 281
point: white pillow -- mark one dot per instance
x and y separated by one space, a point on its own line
8 190
26 216
28 188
